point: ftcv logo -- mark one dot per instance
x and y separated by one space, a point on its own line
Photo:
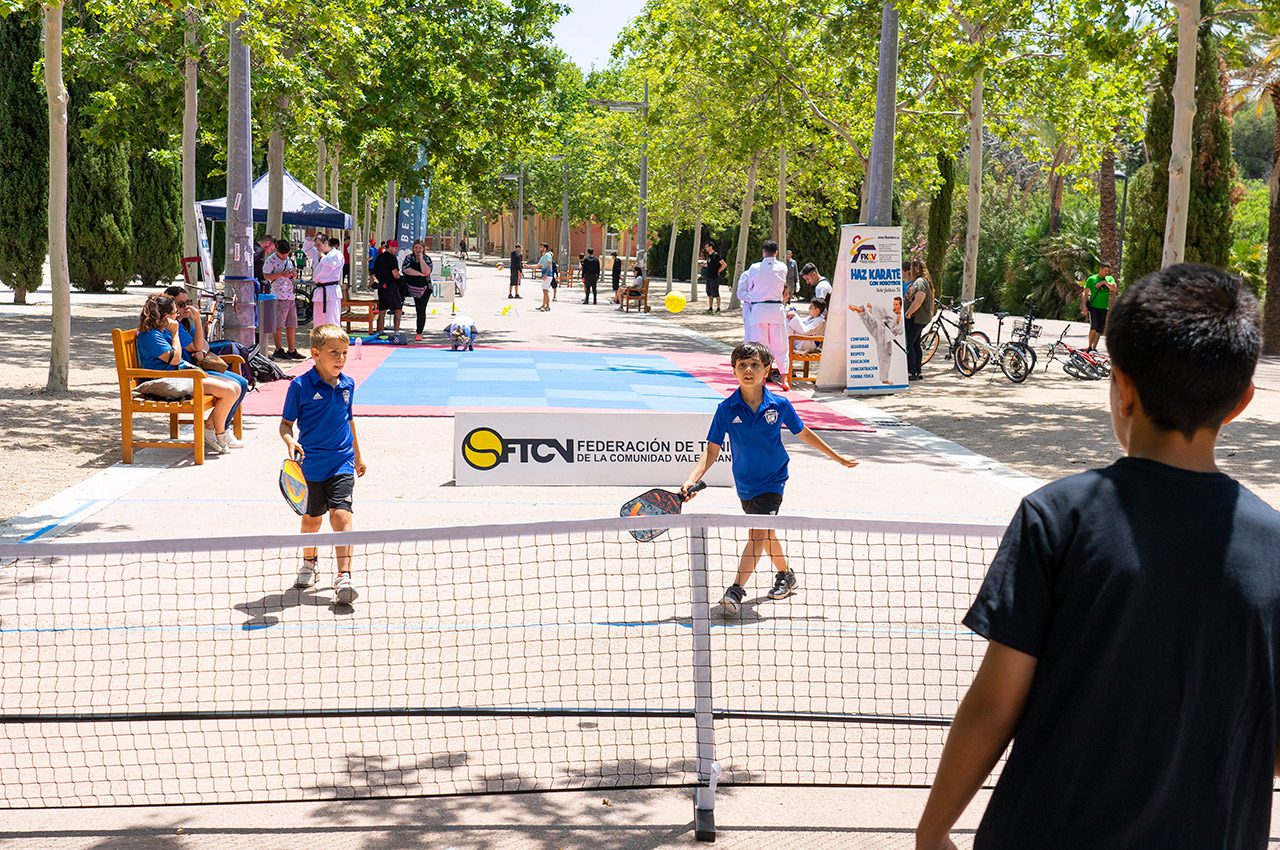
485 448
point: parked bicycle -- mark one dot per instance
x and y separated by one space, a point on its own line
1026 330
1077 362
942 325
973 354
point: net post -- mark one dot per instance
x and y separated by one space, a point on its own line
704 796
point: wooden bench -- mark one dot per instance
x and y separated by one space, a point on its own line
640 299
802 358
129 373
359 311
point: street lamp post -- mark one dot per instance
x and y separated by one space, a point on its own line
1124 204
642 107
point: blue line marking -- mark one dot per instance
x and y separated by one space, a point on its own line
59 521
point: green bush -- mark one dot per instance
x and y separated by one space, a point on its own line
1249 248
24 159
99 220
156 189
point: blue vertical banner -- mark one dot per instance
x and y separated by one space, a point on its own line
411 221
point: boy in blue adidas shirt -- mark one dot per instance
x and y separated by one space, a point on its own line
319 401
753 418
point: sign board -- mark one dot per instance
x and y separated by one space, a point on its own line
202 247
869 266
541 448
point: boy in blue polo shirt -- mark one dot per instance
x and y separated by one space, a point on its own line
320 402
1132 613
752 418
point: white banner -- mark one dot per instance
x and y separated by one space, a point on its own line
202 248
531 447
870 264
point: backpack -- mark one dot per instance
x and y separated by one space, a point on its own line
264 370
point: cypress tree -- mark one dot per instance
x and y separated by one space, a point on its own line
940 217
24 159
99 220
1212 170
155 187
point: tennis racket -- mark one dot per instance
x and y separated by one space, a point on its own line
656 503
293 486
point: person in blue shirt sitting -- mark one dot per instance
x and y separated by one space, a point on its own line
160 346
320 403
191 334
752 418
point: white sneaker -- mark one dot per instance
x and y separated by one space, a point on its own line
228 441
306 575
211 444
343 592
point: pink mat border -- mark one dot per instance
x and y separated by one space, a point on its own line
711 369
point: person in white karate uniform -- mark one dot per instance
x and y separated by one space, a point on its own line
760 289
326 275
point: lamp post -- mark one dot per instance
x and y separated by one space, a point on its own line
1124 204
564 216
519 178
641 106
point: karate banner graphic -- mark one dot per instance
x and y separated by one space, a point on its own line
870 264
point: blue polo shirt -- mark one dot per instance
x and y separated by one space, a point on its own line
323 414
151 344
759 460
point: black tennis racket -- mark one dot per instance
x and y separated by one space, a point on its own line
656 503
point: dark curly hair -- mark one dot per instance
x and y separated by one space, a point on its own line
155 313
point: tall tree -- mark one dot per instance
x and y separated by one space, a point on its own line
24 159
940 217
99 208
155 187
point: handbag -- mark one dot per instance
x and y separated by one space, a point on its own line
209 362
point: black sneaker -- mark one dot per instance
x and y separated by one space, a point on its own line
732 599
279 354
294 354
784 584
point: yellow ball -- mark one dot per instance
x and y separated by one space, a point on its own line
483 449
675 302
500 267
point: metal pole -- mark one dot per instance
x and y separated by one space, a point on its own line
880 172
704 796
564 227
642 243
1124 203
520 211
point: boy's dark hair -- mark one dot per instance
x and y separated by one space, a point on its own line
808 267
820 303
174 291
769 247
1189 338
283 246
747 350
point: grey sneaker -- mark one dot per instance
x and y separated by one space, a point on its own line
343 592
306 575
731 602
784 584
211 444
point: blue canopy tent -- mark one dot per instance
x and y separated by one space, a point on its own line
302 207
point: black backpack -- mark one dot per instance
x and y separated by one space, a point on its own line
263 369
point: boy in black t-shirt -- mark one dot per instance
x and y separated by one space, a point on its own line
1133 614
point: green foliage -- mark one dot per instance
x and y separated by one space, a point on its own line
1252 138
24 157
99 219
939 237
155 187
1048 268
1249 250
1144 226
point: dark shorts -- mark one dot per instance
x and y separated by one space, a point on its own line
1097 319
515 276
713 288
332 494
766 504
389 297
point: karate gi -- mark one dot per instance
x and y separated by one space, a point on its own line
883 326
760 290
326 294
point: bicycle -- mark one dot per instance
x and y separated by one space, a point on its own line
1026 330
931 337
1078 363
973 355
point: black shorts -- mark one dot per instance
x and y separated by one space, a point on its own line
766 504
332 494
389 297
713 288
1098 319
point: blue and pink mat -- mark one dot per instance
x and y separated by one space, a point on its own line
420 381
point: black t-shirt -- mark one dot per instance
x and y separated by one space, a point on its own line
1150 597
617 271
517 261
591 269
383 267
713 267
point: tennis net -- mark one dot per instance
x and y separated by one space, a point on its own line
478 660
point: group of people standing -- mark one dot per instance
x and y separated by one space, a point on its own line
395 281
549 275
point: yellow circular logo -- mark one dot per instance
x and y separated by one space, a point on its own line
483 449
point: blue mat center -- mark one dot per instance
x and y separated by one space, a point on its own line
431 377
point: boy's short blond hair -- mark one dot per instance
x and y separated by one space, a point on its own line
325 334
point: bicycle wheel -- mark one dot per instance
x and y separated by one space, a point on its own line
306 310
1014 363
1027 351
969 357
928 346
982 349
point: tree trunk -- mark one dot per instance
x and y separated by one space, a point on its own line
970 284
322 157
275 180
334 173
357 268
693 266
879 174
190 126
390 208
780 226
241 318
1271 327
1108 233
1184 113
744 230
671 257
59 275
